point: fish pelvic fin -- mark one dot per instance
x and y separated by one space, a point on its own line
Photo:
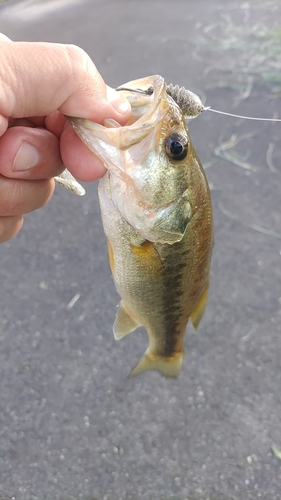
167 366
199 309
124 323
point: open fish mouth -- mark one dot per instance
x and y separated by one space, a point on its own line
143 102
146 98
135 158
147 112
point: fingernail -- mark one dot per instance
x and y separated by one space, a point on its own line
117 101
26 157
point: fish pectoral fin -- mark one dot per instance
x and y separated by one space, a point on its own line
199 309
172 221
149 257
124 323
168 366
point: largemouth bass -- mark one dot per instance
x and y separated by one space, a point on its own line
157 216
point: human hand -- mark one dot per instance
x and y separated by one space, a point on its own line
39 83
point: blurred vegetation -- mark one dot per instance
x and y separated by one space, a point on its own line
243 50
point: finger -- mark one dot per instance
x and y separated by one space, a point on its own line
38 78
3 119
29 153
78 159
4 38
9 227
19 197
55 122
22 122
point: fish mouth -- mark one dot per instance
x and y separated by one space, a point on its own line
146 98
122 149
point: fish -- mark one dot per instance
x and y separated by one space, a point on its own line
157 216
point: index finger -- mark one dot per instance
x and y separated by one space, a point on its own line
39 78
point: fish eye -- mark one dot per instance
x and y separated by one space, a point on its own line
176 147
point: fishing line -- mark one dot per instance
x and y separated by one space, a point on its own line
208 108
191 104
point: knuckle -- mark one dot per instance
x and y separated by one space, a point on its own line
77 57
11 199
19 197
82 66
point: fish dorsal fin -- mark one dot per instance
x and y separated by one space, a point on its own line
67 180
124 323
168 366
199 309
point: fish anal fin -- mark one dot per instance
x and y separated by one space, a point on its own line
148 254
167 366
199 309
124 323
111 257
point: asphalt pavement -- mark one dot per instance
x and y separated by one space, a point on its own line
73 425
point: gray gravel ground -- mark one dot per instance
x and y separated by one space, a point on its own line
72 424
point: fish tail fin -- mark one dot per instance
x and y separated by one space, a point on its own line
168 366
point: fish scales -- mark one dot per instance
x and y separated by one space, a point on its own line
157 217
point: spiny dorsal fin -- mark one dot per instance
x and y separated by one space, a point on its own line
67 180
124 323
